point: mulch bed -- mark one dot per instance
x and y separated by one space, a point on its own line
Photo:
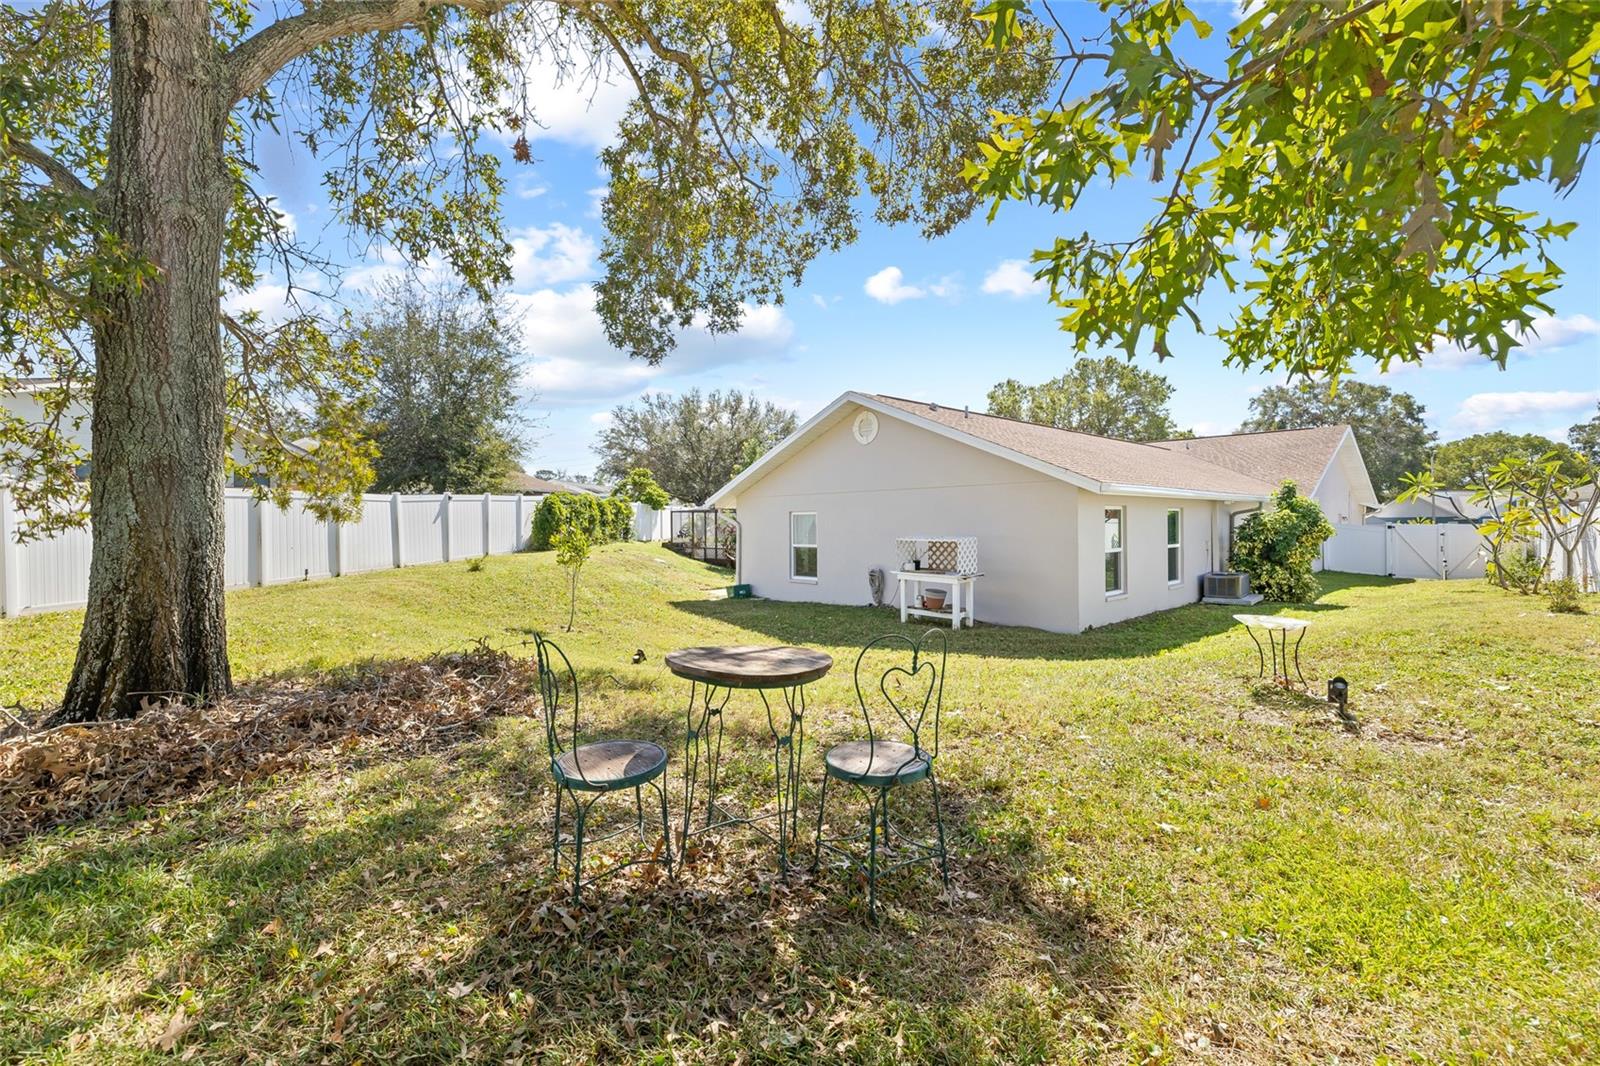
71 773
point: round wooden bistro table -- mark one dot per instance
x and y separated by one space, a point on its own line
713 673
1279 627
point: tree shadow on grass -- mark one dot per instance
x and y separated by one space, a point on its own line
418 918
246 874
732 956
834 626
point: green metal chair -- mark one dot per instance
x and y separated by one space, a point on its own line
585 772
914 690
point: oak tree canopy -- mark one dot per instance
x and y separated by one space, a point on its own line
130 202
1346 171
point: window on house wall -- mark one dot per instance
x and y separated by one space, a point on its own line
1114 553
803 545
1174 545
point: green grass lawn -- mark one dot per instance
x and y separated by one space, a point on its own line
1155 858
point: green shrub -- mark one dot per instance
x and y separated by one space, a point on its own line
1562 595
1518 569
600 519
1278 547
640 486
618 521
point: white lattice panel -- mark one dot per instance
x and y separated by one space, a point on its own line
908 549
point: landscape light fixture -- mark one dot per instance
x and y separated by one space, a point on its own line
1339 693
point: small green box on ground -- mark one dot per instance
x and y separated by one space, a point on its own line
739 592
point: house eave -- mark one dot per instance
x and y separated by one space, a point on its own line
1181 494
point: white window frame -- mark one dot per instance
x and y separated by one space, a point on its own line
1121 550
1174 581
812 580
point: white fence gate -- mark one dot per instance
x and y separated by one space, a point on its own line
1408 549
266 545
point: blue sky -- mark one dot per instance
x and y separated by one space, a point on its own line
941 320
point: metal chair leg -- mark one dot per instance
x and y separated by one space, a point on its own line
555 836
938 821
666 830
872 856
577 853
822 806
638 809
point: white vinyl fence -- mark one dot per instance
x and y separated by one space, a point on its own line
1585 559
266 545
1407 549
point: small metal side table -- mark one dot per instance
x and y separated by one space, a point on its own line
1277 630
713 673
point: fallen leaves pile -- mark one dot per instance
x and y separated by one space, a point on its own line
70 773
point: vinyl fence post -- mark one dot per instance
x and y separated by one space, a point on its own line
516 534
394 528
336 547
444 525
263 540
486 523
10 559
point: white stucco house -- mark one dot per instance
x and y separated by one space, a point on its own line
1073 530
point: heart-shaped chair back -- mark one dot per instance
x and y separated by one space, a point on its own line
910 684
558 689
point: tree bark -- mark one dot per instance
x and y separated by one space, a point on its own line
155 623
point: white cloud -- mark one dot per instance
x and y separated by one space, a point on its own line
272 301
1547 333
571 362
1012 277
578 103
530 188
888 286
1498 410
540 256
550 255
947 288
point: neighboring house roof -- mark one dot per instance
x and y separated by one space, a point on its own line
1097 464
32 385
1448 504
520 482
529 483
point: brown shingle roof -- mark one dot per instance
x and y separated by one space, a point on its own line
1103 459
1298 455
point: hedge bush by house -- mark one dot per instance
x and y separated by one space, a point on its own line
1277 548
600 518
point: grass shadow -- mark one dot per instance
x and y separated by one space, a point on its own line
733 956
835 626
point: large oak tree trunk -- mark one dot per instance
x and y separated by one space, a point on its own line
155 623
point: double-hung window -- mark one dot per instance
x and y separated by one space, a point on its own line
1174 546
803 545
1114 554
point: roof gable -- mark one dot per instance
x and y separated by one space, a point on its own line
1096 464
1299 455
